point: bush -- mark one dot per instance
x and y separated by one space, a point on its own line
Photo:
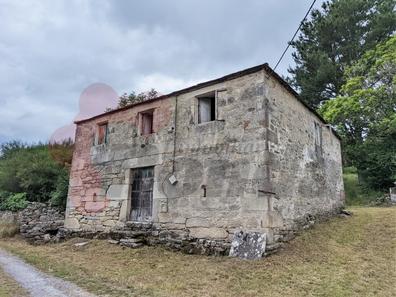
40 171
59 195
15 202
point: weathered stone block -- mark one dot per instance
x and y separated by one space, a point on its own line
215 233
248 245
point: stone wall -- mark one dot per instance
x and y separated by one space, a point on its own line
306 168
40 223
8 217
256 168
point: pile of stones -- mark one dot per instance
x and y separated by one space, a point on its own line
40 223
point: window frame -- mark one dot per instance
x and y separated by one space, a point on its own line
106 133
142 114
212 95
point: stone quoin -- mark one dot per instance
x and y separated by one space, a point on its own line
191 169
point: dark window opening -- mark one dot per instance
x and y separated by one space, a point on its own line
206 108
147 123
203 190
102 133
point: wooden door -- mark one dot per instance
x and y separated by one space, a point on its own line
142 194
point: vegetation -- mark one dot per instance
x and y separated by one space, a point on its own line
33 173
133 98
352 256
365 115
346 69
337 36
358 194
14 202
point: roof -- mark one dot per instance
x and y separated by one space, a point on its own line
228 77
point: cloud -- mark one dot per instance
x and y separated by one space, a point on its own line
52 50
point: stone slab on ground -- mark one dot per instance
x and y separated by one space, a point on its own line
248 245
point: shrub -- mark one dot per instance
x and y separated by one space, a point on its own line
59 195
15 202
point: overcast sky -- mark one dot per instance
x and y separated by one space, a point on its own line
50 51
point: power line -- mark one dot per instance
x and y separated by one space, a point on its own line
295 33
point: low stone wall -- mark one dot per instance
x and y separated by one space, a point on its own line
8 217
135 235
40 223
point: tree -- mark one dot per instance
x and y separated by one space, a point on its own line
132 98
334 38
35 172
365 115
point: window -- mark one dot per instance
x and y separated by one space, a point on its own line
102 133
147 118
207 108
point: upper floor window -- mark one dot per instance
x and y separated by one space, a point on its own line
102 133
147 120
207 108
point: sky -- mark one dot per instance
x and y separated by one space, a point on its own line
52 50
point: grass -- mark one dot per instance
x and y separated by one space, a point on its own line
352 256
355 194
9 288
8 229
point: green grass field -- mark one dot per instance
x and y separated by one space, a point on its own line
353 256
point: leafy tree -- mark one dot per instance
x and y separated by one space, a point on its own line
40 171
377 156
132 98
334 38
62 153
365 115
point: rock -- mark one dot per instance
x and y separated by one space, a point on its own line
248 245
47 237
131 242
346 212
112 241
80 244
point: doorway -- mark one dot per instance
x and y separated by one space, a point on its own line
142 194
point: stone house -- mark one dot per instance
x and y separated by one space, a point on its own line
241 152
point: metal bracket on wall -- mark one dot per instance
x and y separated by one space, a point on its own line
269 192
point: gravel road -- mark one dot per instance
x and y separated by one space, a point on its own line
37 283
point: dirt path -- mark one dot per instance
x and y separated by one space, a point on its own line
37 283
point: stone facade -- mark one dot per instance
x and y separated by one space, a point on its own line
265 164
